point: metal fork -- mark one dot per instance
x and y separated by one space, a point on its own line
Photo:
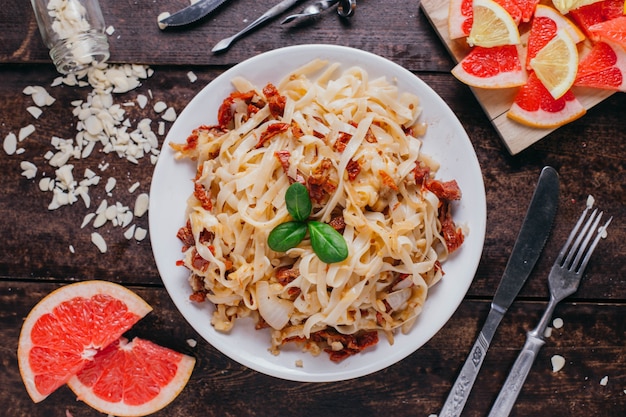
564 279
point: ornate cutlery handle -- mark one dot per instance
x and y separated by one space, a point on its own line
463 385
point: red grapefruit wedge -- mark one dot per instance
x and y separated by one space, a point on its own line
65 330
613 30
132 379
496 67
534 106
601 11
603 67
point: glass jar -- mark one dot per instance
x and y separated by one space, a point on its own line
73 30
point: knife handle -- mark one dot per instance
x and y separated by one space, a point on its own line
463 385
517 376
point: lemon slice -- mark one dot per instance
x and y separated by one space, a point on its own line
556 64
564 6
492 26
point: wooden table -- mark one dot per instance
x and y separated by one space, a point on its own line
590 154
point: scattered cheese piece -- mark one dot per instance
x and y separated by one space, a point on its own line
192 342
130 232
141 204
110 184
142 100
604 381
34 111
25 132
558 362
110 30
29 170
192 77
140 233
10 143
159 106
170 115
299 363
548 332
98 240
557 323
162 16
133 187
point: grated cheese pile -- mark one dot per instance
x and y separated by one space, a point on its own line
100 122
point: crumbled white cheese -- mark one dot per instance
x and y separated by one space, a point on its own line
160 17
140 233
72 249
159 107
141 205
29 170
557 323
98 240
110 184
558 362
34 111
192 76
142 100
169 115
192 342
130 232
10 143
110 30
25 132
604 381
590 201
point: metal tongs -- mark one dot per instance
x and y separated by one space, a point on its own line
344 9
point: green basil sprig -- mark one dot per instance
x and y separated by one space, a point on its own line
327 243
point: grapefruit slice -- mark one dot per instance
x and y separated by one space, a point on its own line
544 27
64 331
497 67
613 30
603 67
492 25
534 106
460 18
132 379
601 11
556 64
565 6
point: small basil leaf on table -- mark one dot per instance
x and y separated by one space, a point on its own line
329 245
298 202
286 236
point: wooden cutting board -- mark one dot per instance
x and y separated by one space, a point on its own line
496 103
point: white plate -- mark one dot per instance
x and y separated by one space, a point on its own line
446 141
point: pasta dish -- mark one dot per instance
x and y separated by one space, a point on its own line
355 144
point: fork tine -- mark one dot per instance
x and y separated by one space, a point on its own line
600 235
587 234
570 238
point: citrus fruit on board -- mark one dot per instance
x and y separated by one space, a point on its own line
496 67
601 11
134 378
604 66
492 25
565 6
534 106
613 30
556 64
64 331
460 18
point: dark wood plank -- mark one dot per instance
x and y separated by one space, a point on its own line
398 30
592 341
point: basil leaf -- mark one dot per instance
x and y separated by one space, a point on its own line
286 236
328 244
298 202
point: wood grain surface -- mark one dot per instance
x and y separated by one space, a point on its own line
35 255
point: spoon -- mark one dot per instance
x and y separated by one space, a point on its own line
313 9
224 44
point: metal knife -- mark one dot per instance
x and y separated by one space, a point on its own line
528 246
191 13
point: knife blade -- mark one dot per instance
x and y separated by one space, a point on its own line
526 250
191 13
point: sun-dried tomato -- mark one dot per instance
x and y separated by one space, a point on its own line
203 195
275 100
271 131
353 168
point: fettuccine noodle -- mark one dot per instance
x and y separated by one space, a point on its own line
354 142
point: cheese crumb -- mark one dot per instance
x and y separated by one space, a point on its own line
34 111
192 342
299 363
604 381
162 16
110 30
141 205
558 362
170 115
548 332
10 143
98 240
25 132
557 323
192 77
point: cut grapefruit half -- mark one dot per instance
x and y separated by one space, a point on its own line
492 25
132 379
534 106
496 67
613 30
556 64
65 330
604 66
